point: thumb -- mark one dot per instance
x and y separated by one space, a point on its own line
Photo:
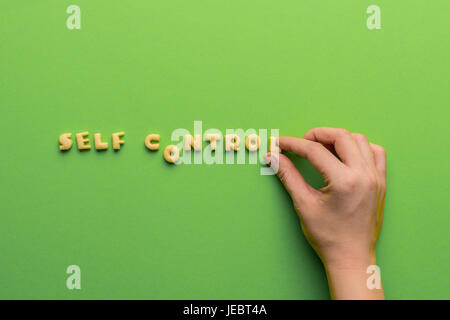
288 174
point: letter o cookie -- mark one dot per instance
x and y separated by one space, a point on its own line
171 153
252 142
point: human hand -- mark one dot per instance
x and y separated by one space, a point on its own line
341 221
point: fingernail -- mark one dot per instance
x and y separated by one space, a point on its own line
267 158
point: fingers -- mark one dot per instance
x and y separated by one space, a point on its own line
320 158
379 155
364 148
288 174
343 142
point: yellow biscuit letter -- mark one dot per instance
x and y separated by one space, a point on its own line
65 141
81 141
252 142
273 144
212 138
149 144
99 145
232 141
116 140
189 142
171 153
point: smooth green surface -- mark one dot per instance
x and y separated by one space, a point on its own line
139 228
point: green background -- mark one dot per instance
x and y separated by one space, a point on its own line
140 228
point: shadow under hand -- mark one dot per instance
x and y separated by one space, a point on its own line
316 282
311 175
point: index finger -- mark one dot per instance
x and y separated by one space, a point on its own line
320 157
343 142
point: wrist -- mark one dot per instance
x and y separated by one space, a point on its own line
350 261
348 277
